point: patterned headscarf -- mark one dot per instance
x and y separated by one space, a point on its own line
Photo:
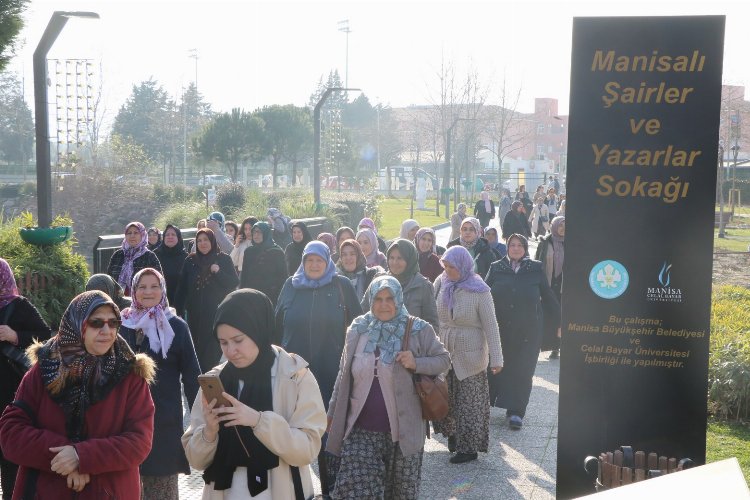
131 253
74 378
361 259
422 231
376 256
461 208
559 243
8 288
386 335
459 257
407 226
301 280
152 321
329 240
477 227
280 221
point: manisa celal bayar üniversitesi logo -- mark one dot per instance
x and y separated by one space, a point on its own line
666 291
609 279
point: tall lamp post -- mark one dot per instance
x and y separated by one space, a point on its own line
41 112
344 28
316 140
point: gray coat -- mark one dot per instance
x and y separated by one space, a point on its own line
419 299
431 359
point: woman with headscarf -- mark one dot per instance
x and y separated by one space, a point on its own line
232 229
150 326
551 253
293 251
280 225
172 255
330 241
154 238
484 209
516 222
470 238
263 266
429 262
504 205
105 283
344 233
375 416
456 219
314 310
468 329
490 234
368 223
206 278
409 229
522 300
539 217
262 445
353 264
368 240
419 294
523 196
132 256
244 240
20 324
83 419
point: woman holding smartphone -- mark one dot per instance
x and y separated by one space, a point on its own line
260 446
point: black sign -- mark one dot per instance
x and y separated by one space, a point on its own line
643 144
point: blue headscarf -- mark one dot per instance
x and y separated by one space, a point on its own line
386 335
300 279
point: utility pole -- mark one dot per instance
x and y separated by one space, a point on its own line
193 54
344 28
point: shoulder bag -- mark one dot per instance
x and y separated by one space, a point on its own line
432 390
15 357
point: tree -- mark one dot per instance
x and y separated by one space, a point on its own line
232 138
16 122
299 146
193 115
127 158
98 110
11 22
286 131
146 118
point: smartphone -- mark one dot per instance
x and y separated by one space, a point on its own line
212 389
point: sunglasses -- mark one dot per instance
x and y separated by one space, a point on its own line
99 323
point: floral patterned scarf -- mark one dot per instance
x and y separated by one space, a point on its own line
152 321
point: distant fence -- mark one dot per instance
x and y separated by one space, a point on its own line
106 245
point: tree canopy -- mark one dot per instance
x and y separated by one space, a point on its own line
16 122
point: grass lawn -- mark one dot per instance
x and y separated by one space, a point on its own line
395 211
737 240
726 440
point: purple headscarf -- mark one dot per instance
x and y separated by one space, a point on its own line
367 222
459 257
329 240
301 280
131 253
8 288
376 257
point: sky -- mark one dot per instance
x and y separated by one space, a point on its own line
253 53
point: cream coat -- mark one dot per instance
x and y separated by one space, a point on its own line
293 430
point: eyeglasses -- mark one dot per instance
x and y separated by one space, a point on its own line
99 323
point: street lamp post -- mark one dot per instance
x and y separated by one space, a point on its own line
316 141
41 112
344 28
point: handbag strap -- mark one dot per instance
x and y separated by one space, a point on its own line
407 333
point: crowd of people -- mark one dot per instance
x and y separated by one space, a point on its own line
313 342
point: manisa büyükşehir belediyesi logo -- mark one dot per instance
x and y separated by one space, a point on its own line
609 279
665 292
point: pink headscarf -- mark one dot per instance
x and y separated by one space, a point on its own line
8 288
329 240
367 222
153 321
376 257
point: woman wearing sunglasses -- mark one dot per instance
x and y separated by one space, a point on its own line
83 418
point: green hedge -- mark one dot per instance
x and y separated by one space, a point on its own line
729 361
59 263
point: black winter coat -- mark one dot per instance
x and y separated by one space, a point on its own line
198 304
264 270
148 259
167 455
521 300
481 214
515 223
28 325
484 256
171 260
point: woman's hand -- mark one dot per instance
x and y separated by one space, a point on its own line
238 414
8 334
496 369
211 429
66 460
214 268
77 481
406 358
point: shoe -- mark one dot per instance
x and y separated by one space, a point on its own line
515 422
460 458
555 354
452 444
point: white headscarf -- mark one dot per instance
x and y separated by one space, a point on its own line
152 321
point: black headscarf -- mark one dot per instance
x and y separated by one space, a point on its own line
251 312
176 250
293 252
205 261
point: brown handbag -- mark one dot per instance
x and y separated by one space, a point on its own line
432 390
